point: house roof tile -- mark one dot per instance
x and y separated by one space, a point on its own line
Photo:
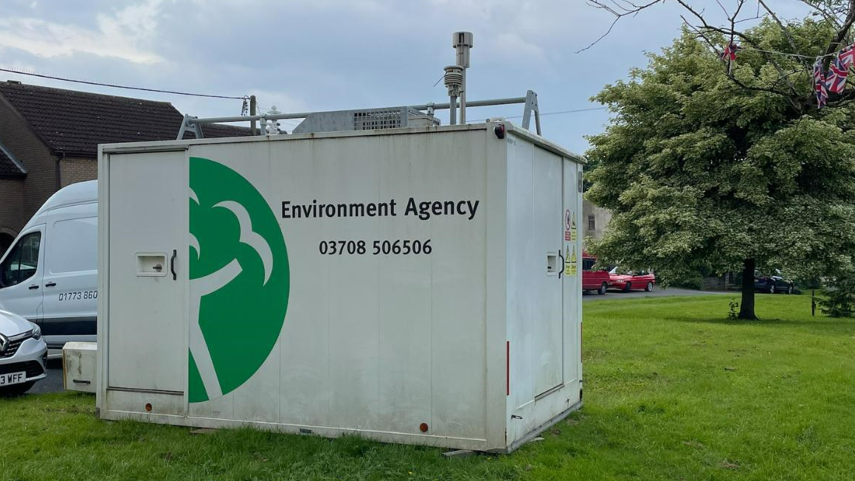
74 123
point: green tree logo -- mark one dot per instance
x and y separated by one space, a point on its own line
239 280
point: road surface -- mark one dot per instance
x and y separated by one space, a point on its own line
657 292
53 382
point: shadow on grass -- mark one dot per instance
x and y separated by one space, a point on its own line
821 325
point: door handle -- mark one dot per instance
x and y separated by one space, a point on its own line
33 287
561 267
50 284
172 264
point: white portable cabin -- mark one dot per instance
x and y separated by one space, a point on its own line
412 285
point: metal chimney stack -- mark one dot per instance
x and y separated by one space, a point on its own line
455 75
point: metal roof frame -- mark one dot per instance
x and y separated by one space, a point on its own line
193 124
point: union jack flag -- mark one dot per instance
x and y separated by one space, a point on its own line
730 52
847 56
820 83
837 74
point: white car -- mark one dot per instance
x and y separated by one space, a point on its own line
23 354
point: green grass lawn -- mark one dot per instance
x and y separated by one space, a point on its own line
673 390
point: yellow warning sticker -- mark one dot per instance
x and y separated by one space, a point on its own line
573 228
569 269
573 263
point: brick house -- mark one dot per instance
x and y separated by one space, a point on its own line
49 139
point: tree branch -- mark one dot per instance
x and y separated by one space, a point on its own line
787 33
619 9
841 35
829 16
732 32
841 15
782 77
701 36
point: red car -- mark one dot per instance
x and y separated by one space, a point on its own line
593 280
631 281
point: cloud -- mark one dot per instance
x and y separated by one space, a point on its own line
511 46
280 99
338 54
123 34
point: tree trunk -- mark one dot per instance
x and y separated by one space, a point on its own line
746 307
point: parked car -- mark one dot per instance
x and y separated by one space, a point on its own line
23 354
49 275
772 283
631 281
593 280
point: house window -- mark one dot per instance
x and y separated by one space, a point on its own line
592 222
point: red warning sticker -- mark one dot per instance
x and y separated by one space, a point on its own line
568 225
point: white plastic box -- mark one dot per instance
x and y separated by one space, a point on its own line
415 285
79 361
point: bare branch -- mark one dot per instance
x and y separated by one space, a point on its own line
732 30
723 9
751 19
842 32
750 41
829 16
841 15
791 96
701 36
619 9
738 9
786 31
612 26
692 11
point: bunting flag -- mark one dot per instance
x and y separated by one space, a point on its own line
837 74
730 52
835 80
819 82
847 56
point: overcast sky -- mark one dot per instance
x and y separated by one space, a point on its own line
337 54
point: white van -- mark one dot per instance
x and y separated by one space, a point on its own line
49 275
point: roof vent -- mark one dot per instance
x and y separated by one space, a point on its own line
368 119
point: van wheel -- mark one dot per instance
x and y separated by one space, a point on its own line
649 287
16 389
603 288
628 287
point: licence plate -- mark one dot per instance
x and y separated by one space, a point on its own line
13 378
